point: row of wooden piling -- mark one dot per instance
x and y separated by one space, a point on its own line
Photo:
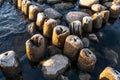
61 38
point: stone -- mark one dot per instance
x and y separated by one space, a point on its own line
87 24
109 73
32 28
86 42
108 4
86 60
72 46
53 1
98 7
69 0
84 76
52 50
61 77
76 28
52 13
116 2
10 64
93 37
25 6
97 20
40 1
63 6
54 66
75 15
59 35
14 2
88 3
111 56
48 27
40 20
35 48
114 11
105 15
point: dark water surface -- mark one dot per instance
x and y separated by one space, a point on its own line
13 34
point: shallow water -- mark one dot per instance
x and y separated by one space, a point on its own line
13 34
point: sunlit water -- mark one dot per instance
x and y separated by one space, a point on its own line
13 34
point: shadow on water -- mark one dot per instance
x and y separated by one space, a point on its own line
13 34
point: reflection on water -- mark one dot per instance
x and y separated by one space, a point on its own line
13 35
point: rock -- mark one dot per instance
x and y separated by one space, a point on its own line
32 28
98 7
63 6
54 66
53 1
61 77
88 3
97 20
87 24
35 48
88 11
114 11
52 50
109 74
84 76
93 37
72 46
48 27
14 2
108 4
105 15
10 64
86 42
75 15
86 60
111 56
40 1
116 2
59 35
52 13
76 28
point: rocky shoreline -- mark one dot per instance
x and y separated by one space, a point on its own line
69 45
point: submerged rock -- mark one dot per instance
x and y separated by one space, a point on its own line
52 13
54 66
86 42
52 50
75 15
88 3
61 77
109 73
32 28
93 37
84 76
63 6
10 64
